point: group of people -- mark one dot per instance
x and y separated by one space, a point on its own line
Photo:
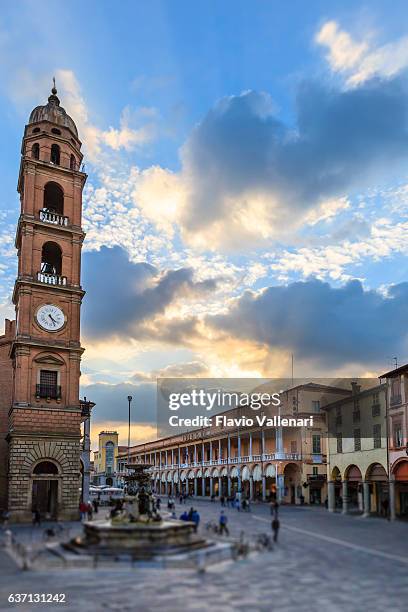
192 516
87 509
234 501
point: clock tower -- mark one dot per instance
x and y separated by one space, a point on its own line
46 414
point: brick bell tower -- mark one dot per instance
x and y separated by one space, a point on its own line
46 414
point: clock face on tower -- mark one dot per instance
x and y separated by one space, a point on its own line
50 317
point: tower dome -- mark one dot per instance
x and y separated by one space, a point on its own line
53 112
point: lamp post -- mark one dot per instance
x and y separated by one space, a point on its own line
128 453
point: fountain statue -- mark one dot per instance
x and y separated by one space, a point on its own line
135 526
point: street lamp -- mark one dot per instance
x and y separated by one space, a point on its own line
129 398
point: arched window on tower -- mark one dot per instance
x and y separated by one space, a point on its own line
51 265
72 162
53 198
35 151
55 154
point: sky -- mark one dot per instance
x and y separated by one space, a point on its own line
247 193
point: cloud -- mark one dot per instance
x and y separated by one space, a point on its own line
125 294
189 369
360 61
326 325
248 178
383 239
111 402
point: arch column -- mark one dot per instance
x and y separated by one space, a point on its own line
211 486
366 498
345 496
331 496
251 488
195 486
219 486
392 499
203 486
229 485
263 488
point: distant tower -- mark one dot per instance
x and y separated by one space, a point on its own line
46 414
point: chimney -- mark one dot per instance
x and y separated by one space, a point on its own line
355 388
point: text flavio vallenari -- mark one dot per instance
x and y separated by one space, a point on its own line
221 420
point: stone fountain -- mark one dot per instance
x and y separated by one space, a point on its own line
136 528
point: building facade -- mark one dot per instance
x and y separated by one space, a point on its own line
260 463
397 413
41 415
357 470
105 465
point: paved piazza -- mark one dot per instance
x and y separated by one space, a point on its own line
321 562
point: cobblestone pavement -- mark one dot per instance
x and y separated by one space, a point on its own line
321 562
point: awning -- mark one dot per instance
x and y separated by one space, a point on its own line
199 474
183 475
224 472
215 473
234 472
175 477
270 471
257 473
207 473
245 473
191 475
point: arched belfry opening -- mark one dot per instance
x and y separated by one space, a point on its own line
35 151
53 198
55 154
51 259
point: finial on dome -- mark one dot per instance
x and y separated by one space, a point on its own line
53 99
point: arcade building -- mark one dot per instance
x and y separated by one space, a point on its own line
44 426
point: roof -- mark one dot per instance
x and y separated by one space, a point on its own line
54 113
395 371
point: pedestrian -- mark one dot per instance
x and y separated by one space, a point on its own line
89 511
95 505
275 528
184 516
223 523
181 499
5 517
196 520
190 514
274 508
83 509
36 518
222 500
158 502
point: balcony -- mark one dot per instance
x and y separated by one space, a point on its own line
48 391
54 218
52 279
395 400
317 458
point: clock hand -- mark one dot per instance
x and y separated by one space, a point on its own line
52 318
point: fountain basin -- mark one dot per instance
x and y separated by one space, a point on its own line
140 540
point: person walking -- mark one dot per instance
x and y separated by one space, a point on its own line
275 528
95 505
36 518
223 523
196 520
83 509
89 511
